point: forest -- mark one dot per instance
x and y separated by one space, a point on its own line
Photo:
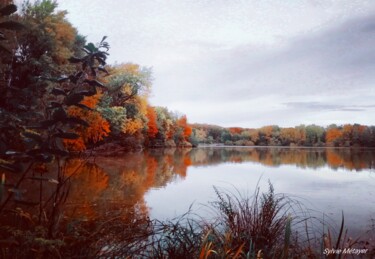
347 135
59 98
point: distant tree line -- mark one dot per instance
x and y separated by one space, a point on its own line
347 135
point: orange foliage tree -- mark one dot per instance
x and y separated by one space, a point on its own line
333 136
235 130
187 130
98 127
152 126
288 135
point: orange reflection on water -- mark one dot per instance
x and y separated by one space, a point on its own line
119 184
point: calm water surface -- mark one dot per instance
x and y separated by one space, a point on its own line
164 183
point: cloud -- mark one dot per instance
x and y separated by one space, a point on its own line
340 60
238 62
335 63
317 106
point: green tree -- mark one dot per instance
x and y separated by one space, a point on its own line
41 51
314 135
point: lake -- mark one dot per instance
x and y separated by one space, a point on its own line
163 184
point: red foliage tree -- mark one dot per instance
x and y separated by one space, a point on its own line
187 130
235 130
152 126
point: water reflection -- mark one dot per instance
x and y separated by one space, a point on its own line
117 186
351 159
123 181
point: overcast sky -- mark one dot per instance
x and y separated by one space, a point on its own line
245 63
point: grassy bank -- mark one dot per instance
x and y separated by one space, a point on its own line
262 225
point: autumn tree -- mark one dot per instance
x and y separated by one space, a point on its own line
187 130
235 130
166 123
288 136
200 135
43 145
310 135
269 135
126 82
347 134
124 105
41 52
98 126
49 30
152 128
254 135
333 136
360 135
301 135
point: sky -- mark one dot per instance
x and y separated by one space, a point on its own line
245 63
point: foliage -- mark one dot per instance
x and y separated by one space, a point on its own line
151 125
310 135
116 116
126 82
34 124
53 99
333 136
133 126
166 123
8 25
183 130
98 127
48 30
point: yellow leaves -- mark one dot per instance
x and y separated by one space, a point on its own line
126 89
267 131
132 126
289 135
169 129
63 34
131 74
130 68
142 104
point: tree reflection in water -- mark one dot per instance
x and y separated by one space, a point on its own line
107 197
121 182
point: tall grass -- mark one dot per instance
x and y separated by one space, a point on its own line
251 227
263 225
259 226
